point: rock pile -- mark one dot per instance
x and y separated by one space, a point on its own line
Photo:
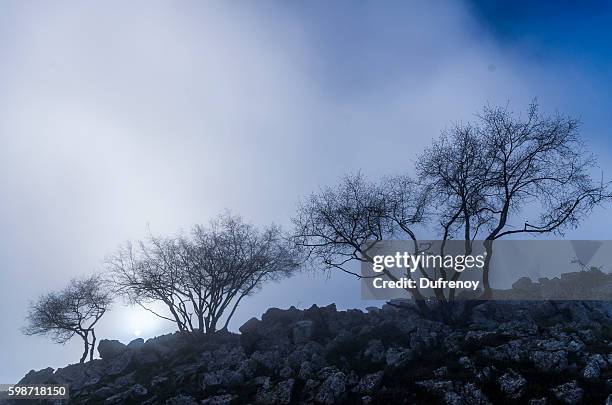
592 284
505 352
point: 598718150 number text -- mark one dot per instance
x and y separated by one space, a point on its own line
33 391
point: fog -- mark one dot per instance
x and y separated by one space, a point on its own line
116 117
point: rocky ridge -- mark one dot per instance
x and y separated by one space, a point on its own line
531 352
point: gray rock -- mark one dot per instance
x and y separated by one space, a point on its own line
608 400
551 345
326 372
79 375
587 335
303 331
352 379
592 371
297 357
467 393
157 346
223 378
159 381
285 372
119 398
269 360
519 328
575 345
280 394
537 401
135 344
375 351
283 316
569 393
138 391
44 376
549 361
119 364
467 363
366 400
525 284
486 373
441 372
332 389
307 371
261 381
185 373
125 380
109 349
309 391
514 350
146 358
600 360
104 392
438 388
512 384
284 390
369 383
398 357
480 337
182 399
471 394
225 399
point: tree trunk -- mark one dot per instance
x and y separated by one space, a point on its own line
201 322
86 351
213 326
488 244
93 345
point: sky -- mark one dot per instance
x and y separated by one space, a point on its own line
117 117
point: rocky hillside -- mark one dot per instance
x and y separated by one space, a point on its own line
507 352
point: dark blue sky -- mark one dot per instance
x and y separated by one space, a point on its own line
576 30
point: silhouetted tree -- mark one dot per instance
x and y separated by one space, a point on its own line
476 180
510 175
340 225
73 311
203 277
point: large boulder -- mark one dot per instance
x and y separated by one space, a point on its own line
119 364
136 344
250 326
332 389
109 349
80 375
44 376
569 393
369 383
513 384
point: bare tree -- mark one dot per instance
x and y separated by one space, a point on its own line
149 272
73 311
203 278
505 170
475 181
458 171
340 225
